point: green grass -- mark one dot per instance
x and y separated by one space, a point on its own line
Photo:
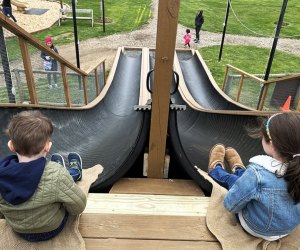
253 60
126 15
248 58
257 15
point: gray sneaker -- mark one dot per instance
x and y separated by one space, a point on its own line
58 159
75 163
50 86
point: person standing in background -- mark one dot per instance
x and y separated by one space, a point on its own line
199 20
7 9
50 64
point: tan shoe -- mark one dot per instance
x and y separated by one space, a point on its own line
216 156
234 159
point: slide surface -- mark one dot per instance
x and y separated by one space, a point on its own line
217 119
111 133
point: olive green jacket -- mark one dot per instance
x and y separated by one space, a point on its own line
45 210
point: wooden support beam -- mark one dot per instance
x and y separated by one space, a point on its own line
241 82
84 78
28 70
263 97
165 46
225 78
97 82
103 68
66 84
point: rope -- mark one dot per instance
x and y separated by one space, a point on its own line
252 31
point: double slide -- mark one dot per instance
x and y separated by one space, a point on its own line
114 129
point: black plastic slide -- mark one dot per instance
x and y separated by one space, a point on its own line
112 133
194 132
199 84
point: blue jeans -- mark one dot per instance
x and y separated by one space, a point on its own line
224 178
35 237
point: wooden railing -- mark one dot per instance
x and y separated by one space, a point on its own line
26 39
263 83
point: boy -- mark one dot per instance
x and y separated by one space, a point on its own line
36 196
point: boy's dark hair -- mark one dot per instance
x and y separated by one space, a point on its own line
285 136
187 31
29 132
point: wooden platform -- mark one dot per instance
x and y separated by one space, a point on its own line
143 219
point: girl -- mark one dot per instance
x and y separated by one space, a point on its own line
187 38
50 64
265 196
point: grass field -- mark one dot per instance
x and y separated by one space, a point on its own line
252 17
248 58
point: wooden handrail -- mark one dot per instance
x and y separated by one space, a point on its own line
26 38
246 74
289 77
14 28
91 68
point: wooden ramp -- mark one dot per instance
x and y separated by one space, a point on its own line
148 214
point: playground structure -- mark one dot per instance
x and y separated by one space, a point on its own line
20 5
81 14
113 130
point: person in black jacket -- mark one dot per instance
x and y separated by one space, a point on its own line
7 10
50 64
199 20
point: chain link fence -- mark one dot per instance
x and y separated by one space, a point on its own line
51 85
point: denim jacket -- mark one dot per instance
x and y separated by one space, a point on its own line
261 198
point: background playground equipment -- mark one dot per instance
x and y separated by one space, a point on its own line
244 87
21 6
81 14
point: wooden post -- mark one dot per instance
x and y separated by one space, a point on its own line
97 82
225 78
165 47
263 96
19 85
66 86
85 90
28 70
241 82
104 77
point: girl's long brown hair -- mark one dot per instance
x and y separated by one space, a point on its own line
285 134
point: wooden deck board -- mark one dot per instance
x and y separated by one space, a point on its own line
148 214
145 227
156 186
146 204
126 244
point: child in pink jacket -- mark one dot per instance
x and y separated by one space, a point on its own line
187 38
